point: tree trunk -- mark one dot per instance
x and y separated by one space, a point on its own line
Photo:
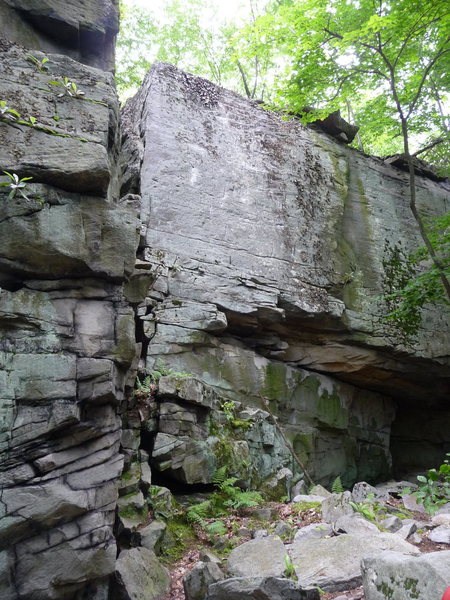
413 206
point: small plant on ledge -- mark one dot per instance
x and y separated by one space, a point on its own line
16 185
7 113
40 65
69 88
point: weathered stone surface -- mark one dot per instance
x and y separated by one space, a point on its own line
263 557
308 499
333 564
394 575
140 576
440 535
313 531
152 535
265 266
83 29
68 343
337 427
264 222
198 580
355 524
319 490
257 588
336 506
363 491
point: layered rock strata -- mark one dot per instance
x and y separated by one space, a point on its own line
68 242
271 247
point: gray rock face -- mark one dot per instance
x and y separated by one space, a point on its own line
263 557
333 564
394 575
337 506
313 531
254 229
84 30
257 588
440 535
67 339
197 581
140 576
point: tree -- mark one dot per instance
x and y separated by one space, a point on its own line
391 58
189 34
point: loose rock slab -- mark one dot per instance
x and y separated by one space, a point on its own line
394 575
333 564
257 588
263 557
140 576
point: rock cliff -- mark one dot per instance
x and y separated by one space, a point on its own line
271 246
68 242
241 258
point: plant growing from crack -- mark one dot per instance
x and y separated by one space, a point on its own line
69 88
16 185
7 113
289 568
13 117
40 65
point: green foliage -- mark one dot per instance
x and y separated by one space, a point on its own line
216 529
370 509
434 487
299 507
336 486
190 35
41 65
183 538
7 113
289 568
412 281
69 88
227 497
16 185
390 60
147 385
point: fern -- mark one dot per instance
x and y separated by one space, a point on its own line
216 528
336 486
199 512
228 486
244 500
220 475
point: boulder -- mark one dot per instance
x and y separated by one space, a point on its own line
336 506
263 557
319 490
258 588
140 576
440 535
198 580
362 491
333 564
394 575
308 499
152 535
391 523
313 531
354 524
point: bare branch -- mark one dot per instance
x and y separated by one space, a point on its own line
430 65
431 145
